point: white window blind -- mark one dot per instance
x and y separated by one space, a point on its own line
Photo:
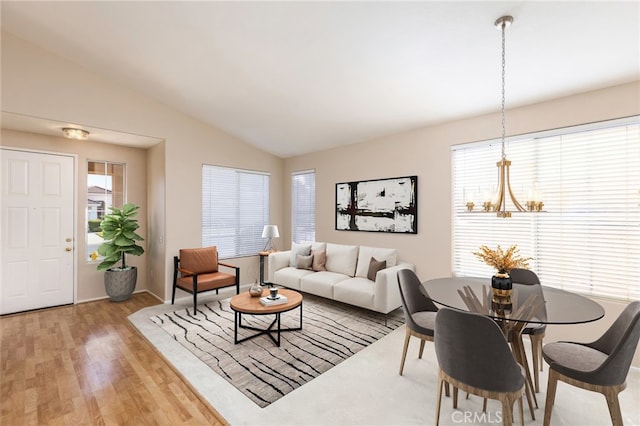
588 240
303 206
235 208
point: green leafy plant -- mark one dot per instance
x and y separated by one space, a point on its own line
94 225
118 231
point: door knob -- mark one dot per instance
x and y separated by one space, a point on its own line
68 240
68 249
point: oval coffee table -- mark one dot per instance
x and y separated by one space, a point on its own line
243 303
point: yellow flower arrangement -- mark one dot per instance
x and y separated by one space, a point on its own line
503 261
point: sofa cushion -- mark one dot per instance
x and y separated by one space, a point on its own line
296 249
374 267
315 245
290 277
321 283
342 259
356 291
366 253
319 259
304 262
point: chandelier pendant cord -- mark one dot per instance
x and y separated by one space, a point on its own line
504 183
504 155
498 202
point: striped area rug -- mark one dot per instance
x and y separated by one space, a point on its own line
331 332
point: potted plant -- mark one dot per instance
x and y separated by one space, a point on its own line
118 231
503 261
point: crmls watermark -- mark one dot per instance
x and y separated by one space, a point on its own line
472 417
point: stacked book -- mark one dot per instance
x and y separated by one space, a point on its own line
269 301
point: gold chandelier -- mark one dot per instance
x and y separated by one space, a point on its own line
498 203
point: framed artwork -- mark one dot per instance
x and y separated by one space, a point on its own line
380 205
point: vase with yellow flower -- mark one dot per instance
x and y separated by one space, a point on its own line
503 261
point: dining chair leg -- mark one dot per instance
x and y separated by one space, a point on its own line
422 342
528 393
538 338
551 396
439 399
507 412
521 411
517 348
404 350
611 395
455 398
536 352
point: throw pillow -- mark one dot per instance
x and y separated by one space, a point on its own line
366 253
304 262
296 249
374 267
319 260
342 259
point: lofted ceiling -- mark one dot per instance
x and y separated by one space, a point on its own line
298 77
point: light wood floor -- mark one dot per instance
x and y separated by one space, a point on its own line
85 364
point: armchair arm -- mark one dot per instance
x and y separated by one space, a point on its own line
387 293
228 265
186 271
236 273
277 260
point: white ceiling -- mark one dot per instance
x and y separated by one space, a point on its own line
297 77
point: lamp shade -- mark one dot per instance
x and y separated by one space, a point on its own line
270 231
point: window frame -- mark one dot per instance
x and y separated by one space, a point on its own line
569 218
92 242
240 210
303 220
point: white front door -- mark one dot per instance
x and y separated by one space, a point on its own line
37 235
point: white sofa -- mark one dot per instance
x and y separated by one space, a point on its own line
345 278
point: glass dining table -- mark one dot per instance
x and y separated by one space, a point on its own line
527 304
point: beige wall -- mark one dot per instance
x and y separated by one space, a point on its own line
38 84
90 282
426 153
156 205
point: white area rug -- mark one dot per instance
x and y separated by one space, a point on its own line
331 333
366 389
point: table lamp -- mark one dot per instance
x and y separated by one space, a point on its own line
270 232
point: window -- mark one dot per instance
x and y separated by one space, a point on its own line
105 188
303 206
588 238
235 208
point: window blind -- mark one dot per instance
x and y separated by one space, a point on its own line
303 206
235 208
588 239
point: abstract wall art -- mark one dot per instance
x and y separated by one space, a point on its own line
380 205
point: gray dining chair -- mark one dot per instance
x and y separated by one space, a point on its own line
535 332
601 366
419 312
474 356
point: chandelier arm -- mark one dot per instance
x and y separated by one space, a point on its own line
500 205
513 197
